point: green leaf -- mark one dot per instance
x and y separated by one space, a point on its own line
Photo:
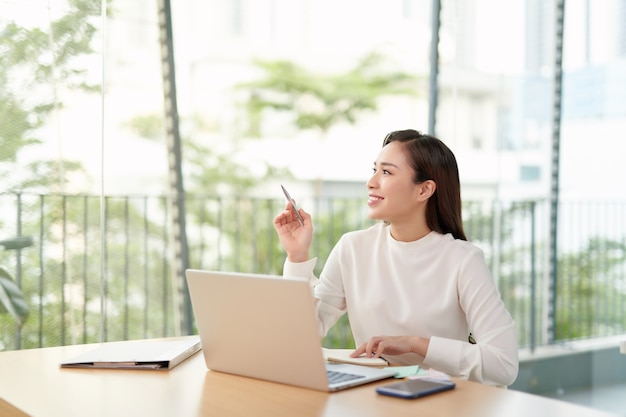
19 242
11 298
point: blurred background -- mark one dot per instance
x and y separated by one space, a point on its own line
141 138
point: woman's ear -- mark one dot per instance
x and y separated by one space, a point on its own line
427 189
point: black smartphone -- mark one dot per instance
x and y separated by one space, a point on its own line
415 388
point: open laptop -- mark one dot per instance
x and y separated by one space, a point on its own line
265 327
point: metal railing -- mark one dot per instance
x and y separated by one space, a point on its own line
71 301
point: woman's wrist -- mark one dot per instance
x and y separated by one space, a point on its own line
298 257
419 345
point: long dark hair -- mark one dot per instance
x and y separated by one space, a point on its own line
432 160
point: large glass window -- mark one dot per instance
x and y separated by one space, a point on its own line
301 92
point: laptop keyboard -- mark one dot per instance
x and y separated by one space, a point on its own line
335 377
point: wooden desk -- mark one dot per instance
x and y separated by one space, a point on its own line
32 384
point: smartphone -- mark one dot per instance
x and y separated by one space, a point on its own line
415 388
293 204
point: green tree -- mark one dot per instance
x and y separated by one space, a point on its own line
241 236
589 299
31 61
318 101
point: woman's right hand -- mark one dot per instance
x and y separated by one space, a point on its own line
295 239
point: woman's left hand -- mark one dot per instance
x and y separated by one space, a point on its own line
392 345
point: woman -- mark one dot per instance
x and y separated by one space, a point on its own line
415 290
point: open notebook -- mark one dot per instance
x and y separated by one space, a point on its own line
137 354
265 327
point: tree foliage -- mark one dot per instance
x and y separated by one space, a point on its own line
35 63
589 295
320 101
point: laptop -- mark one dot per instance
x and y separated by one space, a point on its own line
265 327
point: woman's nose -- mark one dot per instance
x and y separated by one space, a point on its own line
371 183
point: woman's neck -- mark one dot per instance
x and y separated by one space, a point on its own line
409 232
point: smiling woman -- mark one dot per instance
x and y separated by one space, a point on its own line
416 291
393 195
429 169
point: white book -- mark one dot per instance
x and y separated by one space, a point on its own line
137 354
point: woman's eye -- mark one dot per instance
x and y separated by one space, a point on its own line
384 171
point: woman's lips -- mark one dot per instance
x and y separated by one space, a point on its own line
374 199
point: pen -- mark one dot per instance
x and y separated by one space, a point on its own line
293 204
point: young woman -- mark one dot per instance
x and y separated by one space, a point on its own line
415 290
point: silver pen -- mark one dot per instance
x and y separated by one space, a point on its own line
293 204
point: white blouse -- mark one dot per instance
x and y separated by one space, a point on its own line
436 287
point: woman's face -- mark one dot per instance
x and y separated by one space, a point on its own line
393 196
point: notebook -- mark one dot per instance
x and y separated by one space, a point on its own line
343 356
137 354
265 327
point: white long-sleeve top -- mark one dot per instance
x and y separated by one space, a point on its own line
436 287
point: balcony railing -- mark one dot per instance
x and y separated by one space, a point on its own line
107 274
